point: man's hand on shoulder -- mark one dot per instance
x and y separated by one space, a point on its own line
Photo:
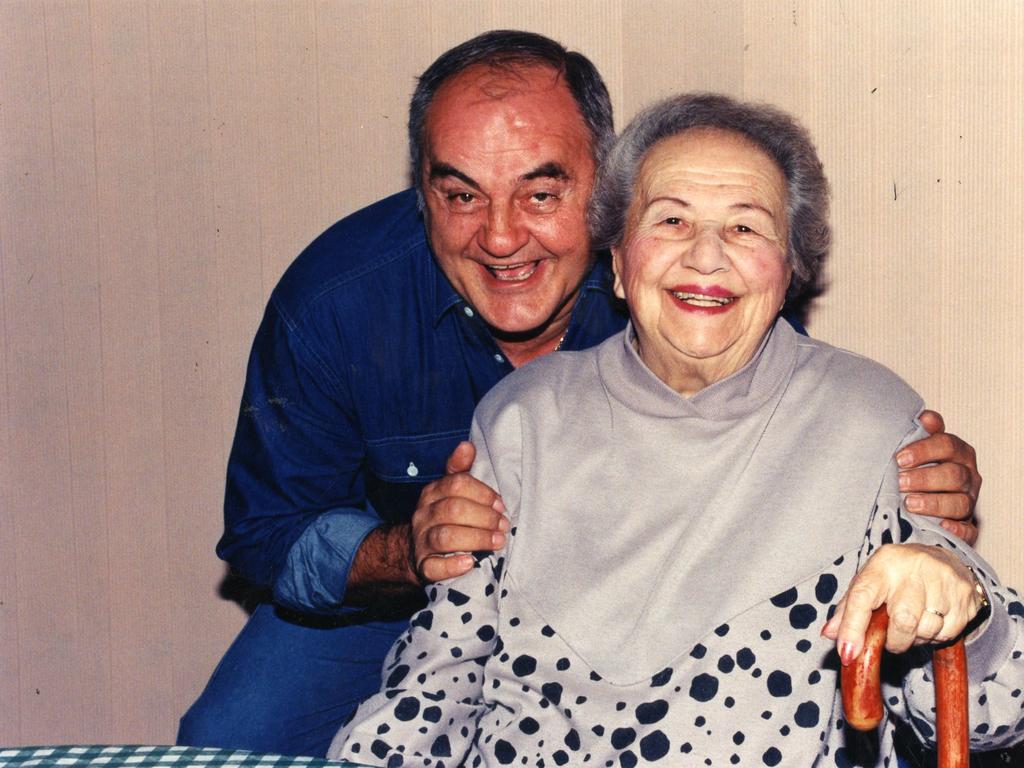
949 487
456 516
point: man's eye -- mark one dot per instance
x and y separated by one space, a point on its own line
462 197
543 198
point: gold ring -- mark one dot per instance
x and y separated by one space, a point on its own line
940 614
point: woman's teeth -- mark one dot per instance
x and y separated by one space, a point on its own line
703 301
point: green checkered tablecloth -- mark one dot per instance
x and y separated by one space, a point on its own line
134 756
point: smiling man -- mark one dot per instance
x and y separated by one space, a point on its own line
347 489
506 178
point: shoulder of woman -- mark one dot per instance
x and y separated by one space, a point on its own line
546 382
858 379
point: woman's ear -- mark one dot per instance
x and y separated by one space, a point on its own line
617 270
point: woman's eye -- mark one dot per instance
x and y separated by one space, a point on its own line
673 221
744 229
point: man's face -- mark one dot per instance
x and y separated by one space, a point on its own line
507 175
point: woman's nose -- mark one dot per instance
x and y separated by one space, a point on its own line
706 252
503 234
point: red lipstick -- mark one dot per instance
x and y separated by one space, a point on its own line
702 299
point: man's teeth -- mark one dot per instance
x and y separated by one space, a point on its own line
704 301
513 272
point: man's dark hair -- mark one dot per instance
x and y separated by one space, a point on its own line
511 48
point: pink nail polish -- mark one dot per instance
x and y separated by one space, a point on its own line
846 653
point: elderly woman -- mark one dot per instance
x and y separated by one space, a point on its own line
690 501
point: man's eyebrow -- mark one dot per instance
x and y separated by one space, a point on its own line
443 170
550 170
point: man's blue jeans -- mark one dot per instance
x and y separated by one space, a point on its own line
286 687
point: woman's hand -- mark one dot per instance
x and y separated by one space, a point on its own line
929 593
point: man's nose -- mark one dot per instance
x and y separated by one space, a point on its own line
504 233
706 252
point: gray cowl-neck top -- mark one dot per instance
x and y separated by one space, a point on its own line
646 518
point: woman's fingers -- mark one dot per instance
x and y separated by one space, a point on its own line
928 592
929 627
906 604
850 621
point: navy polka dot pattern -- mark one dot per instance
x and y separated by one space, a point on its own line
760 690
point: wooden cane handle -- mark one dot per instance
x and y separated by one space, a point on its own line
862 692
862 680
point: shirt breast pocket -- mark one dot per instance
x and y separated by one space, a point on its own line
399 468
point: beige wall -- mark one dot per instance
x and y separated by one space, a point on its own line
162 162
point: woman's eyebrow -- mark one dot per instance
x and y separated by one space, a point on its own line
750 207
667 199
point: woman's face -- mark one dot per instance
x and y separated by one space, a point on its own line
703 262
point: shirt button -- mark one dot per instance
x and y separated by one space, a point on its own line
412 470
499 359
468 311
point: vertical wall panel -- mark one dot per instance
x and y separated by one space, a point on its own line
190 343
43 529
355 110
287 130
73 221
140 642
16 33
234 96
694 46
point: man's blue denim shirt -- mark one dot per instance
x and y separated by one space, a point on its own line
363 378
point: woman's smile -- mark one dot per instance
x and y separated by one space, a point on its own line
710 300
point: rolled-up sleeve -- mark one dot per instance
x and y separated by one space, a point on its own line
295 508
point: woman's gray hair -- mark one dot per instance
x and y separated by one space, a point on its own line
780 136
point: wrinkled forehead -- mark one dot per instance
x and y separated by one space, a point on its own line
711 163
519 94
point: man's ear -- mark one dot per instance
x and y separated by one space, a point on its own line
616 270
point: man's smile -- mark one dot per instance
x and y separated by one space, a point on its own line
513 273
